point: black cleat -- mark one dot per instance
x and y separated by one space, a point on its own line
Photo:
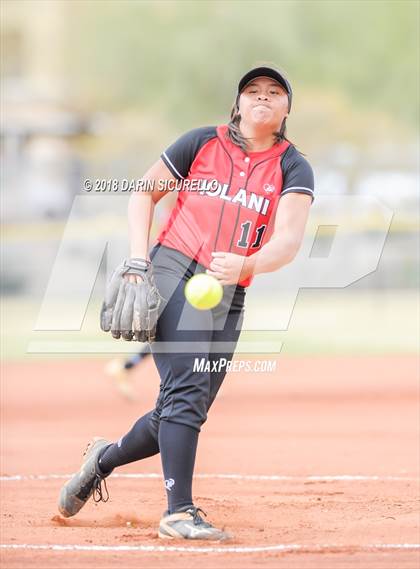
77 491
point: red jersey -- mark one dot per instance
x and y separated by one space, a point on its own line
227 198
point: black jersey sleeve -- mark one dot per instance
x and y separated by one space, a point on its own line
180 155
298 176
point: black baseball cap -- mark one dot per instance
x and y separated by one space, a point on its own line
266 72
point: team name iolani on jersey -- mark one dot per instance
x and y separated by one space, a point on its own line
215 189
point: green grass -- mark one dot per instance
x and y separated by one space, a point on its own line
324 322
346 321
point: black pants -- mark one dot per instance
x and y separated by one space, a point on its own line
186 336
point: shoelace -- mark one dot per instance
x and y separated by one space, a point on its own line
98 492
197 518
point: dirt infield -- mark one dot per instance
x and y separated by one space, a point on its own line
313 466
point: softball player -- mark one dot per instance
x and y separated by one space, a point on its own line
121 371
246 216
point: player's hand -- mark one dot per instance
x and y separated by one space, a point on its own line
228 268
133 279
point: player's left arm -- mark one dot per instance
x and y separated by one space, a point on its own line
289 228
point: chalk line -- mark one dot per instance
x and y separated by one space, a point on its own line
273 477
216 549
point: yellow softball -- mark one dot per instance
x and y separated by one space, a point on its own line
203 291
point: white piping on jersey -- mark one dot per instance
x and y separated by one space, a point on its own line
292 188
171 163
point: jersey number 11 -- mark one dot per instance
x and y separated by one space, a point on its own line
243 241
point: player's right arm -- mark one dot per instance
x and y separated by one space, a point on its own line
140 212
141 208
174 164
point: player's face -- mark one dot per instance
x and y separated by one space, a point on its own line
263 102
